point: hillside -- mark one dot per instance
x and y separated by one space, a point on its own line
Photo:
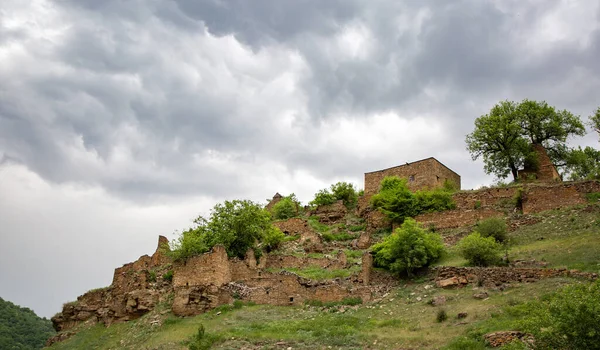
21 328
410 314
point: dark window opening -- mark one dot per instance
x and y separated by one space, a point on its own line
267 292
291 299
411 178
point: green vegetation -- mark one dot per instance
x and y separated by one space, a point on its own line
238 225
493 227
479 250
410 247
441 316
286 208
344 191
503 138
201 340
342 236
21 328
345 301
398 202
168 276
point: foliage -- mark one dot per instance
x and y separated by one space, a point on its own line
568 319
593 197
237 225
397 202
286 208
168 276
152 276
356 228
21 328
503 138
343 191
441 316
479 250
583 164
595 120
410 247
343 236
493 227
346 192
202 340
272 238
345 301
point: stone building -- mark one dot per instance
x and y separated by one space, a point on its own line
544 170
425 173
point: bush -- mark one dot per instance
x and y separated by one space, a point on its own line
397 202
272 238
480 251
410 247
493 227
286 208
237 225
568 319
346 192
168 276
323 197
202 340
441 316
343 191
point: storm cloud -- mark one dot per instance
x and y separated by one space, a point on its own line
122 120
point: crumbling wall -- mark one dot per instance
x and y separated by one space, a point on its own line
298 226
451 276
291 261
331 213
456 218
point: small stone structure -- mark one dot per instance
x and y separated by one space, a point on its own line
276 198
544 170
422 174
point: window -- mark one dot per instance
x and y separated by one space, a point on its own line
411 178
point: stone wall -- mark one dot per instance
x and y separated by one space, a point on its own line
206 269
331 213
426 173
472 206
545 171
450 276
287 261
298 226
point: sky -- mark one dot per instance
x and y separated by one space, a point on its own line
124 120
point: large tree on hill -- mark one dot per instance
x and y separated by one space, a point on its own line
498 139
503 138
595 120
584 163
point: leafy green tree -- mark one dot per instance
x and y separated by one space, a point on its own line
323 197
408 248
498 139
493 227
595 120
397 202
287 207
346 192
21 328
480 251
503 138
237 225
583 164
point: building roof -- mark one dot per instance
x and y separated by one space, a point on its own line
417 161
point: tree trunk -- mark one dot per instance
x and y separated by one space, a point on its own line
514 172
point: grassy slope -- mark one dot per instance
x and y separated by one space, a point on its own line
403 319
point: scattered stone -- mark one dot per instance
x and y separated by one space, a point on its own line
462 315
482 295
419 298
449 282
501 338
438 300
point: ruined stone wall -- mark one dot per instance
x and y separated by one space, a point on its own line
450 276
331 213
298 226
290 261
207 269
472 206
426 173
545 171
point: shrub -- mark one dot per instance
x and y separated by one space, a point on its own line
397 202
202 340
286 208
493 227
441 316
323 197
168 276
152 276
343 236
480 251
346 192
237 225
272 238
410 247
567 319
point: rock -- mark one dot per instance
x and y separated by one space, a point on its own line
482 295
438 300
501 338
449 282
462 315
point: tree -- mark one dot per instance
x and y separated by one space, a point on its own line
343 191
237 225
504 136
595 120
408 248
286 208
498 139
584 163
480 251
21 328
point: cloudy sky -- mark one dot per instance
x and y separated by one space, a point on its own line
122 120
